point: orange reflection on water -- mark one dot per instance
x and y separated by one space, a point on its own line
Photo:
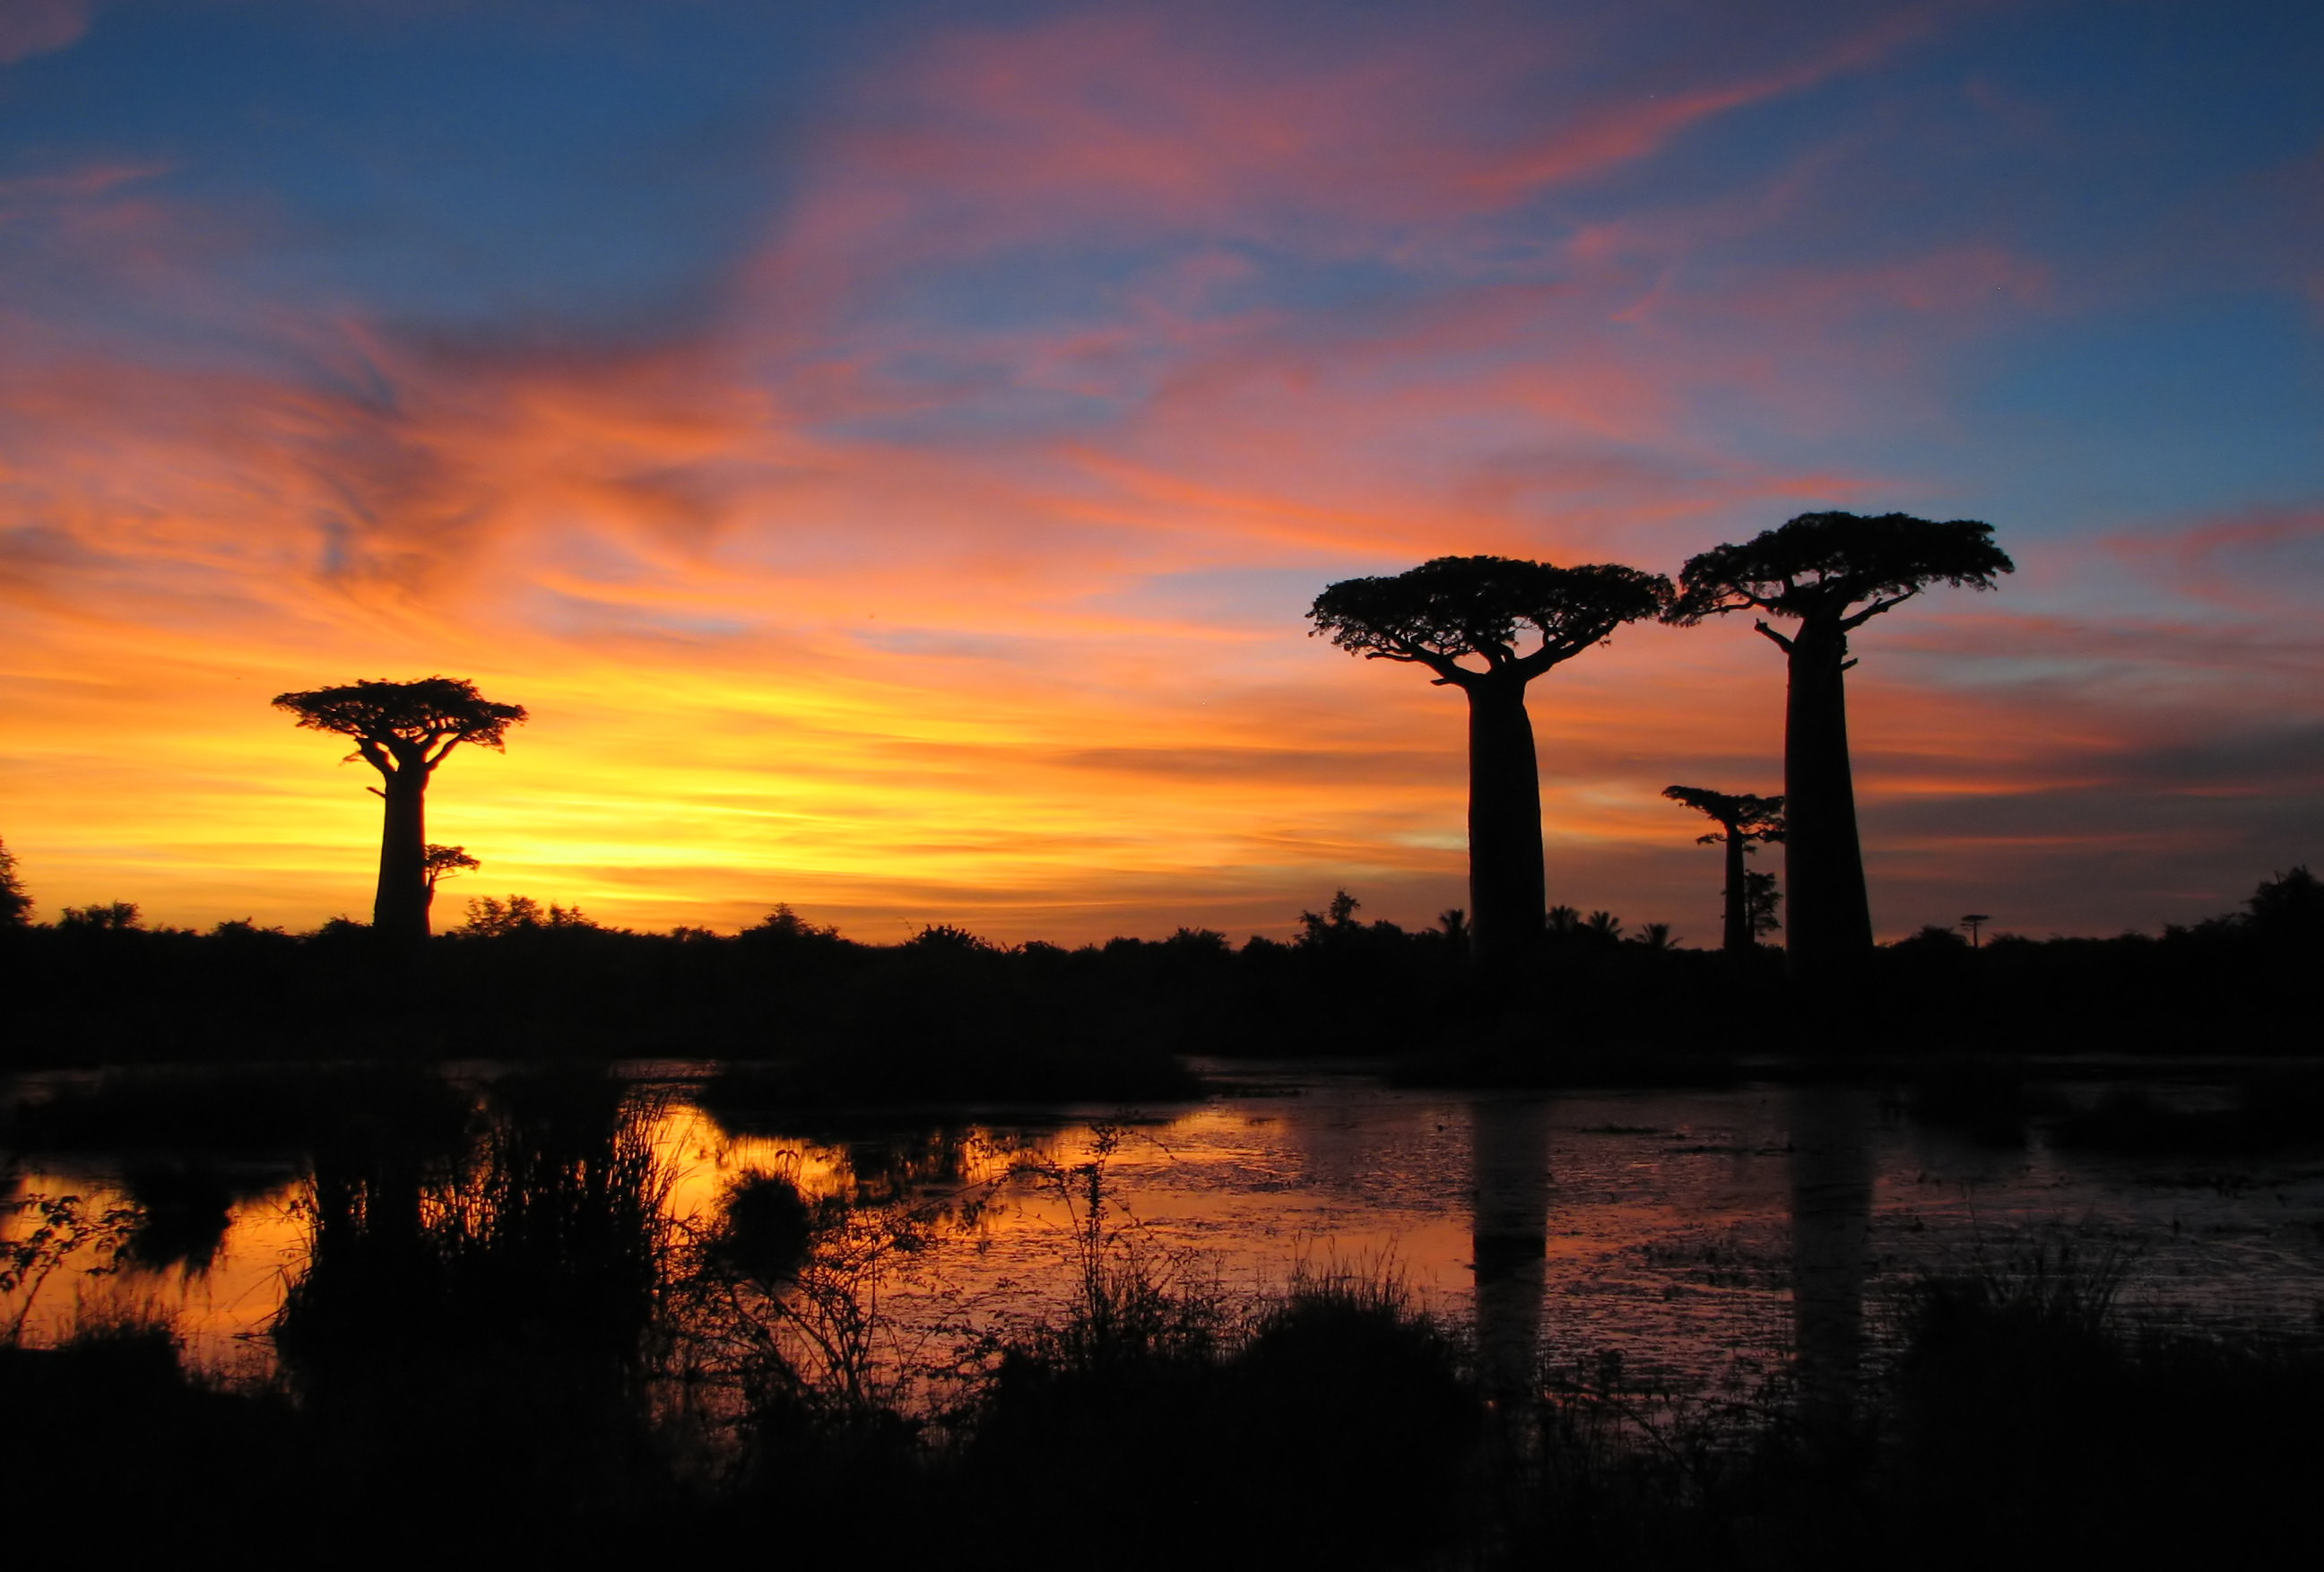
1700 1237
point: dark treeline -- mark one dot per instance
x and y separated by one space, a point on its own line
947 1015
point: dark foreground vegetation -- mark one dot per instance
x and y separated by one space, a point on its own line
498 1339
948 1016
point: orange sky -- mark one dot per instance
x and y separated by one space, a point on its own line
937 553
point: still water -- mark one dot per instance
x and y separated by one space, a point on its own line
1700 1240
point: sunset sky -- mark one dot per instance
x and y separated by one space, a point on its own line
891 447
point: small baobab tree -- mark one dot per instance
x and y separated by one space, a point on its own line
1455 610
404 730
442 863
1744 822
1831 573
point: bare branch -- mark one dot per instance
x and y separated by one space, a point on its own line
1875 608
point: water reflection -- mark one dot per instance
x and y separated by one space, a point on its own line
1830 1167
1509 1227
1700 1236
186 1206
492 1312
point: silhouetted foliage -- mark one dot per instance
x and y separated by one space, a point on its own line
1744 822
15 904
950 1015
404 730
1831 573
442 863
493 919
110 917
2289 906
513 1314
1457 609
787 927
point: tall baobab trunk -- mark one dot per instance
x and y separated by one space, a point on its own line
399 912
1506 894
1823 863
1738 939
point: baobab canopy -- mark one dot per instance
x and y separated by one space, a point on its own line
404 730
1483 606
430 713
1820 564
1833 573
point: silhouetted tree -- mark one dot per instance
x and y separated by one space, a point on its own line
1477 609
442 863
1759 898
1743 821
2291 906
15 905
491 918
1319 929
110 916
404 730
787 927
1656 936
1833 573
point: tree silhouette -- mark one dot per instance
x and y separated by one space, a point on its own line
404 730
1833 573
15 903
1743 821
441 863
1477 609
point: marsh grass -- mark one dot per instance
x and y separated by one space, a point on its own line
2022 1410
784 1304
515 1332
45 1235
497 1315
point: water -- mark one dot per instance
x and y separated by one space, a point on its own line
1700 1240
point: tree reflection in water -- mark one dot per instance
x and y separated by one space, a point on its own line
1511 1239
1830 1166
495 1313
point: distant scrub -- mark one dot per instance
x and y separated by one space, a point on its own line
947 1014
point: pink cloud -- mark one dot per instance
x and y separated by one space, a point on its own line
34 27
2261 561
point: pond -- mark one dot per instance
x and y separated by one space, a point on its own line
1698 1240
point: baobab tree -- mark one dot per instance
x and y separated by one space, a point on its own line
1831 573
404 730
441 863
1744 821
1457 609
